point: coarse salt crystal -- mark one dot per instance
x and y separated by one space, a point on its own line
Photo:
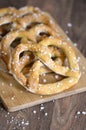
66 32
78 59
44 80
46 114
2 83
34 111
69 24
78 112
41 108
3 91
43 74
68 39
12 98
75 44
22 122
83 112
27 123
56 76
11 84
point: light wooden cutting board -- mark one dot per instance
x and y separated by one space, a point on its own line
15 97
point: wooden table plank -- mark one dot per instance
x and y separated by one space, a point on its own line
66 113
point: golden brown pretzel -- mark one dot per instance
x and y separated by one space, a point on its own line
41 50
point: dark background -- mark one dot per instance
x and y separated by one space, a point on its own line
67 113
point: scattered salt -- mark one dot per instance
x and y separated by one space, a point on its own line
78 59
83 67
75 44
83 112
11 84
68 39
14 128
44 80
5 115
23 128
34 111
69 24
8 113
3 91
22 122
12 98
41 96
53 100
46 114
38 118
66 32
41 108
75 116
27 123
2 83
21 91
43 74
56 76
78 112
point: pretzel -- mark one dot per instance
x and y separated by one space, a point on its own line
41 50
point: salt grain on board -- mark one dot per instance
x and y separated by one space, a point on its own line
69 24
66 32
81 113
75 44
46 114
34 111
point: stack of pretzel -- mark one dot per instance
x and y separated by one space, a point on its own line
32 50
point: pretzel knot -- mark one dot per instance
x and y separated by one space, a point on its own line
44 58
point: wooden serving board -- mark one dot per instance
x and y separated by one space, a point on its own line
15 97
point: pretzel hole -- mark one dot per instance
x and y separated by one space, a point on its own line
50 78
21 54
4 29
42 35
32 25
28 13
16 42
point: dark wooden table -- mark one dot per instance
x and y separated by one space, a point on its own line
67 113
